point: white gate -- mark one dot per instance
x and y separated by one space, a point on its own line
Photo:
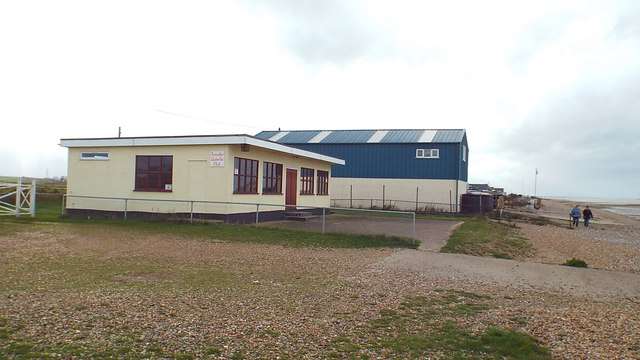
24 196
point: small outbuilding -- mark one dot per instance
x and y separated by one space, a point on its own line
219 177
419 169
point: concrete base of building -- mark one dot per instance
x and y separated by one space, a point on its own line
236 218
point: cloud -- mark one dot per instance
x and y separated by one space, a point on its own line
628 24
325 32
583 142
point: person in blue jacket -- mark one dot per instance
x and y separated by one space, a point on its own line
576 214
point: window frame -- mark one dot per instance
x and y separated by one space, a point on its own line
240 166
161 173
95 155
307 178
271 176
323 182
427 153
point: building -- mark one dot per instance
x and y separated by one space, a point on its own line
219 177
405 169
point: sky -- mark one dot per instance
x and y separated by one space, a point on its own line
546 85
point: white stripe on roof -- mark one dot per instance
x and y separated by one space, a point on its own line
377 136
279 135
427 136
321 136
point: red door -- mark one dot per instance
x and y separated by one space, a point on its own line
291 192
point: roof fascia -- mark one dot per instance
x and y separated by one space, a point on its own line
197 140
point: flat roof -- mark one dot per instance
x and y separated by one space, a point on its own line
196 140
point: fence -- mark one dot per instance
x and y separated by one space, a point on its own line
390 204
423 199
200 209
18 199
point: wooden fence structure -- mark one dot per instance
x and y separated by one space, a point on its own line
18 199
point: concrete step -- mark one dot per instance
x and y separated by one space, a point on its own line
298 216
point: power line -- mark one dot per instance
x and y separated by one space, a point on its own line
207 120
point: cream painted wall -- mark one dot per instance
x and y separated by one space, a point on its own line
439 194
193 179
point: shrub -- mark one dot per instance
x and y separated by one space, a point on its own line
576 263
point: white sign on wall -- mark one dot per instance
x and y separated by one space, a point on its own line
217 159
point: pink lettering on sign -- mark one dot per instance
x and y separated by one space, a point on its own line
216 159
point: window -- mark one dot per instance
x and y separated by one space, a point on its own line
245 176
94 155
306 179
464 153
427 153
154 173
323 182
271 178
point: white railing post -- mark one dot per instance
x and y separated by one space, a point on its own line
191 213
33 199
323 219
18 193
414 228
257 213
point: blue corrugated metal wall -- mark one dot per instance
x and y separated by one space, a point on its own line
392 158
393 161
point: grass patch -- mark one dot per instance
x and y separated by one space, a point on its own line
482 237
422 327
65 272
50 212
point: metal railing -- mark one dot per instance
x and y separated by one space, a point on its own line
382 203
126 202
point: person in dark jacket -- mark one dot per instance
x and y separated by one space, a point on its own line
587 215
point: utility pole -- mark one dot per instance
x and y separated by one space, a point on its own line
535 184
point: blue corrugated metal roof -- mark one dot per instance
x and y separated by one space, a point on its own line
348 137
448 136
402 136
363 136
265 135
298 137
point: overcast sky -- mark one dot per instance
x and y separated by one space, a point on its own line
552 85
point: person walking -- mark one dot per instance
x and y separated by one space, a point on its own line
575 215
588 215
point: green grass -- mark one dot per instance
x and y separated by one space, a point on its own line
67 272
419 328
483 237
50 211
422 327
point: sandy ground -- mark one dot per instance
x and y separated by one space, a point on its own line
304 294
611 248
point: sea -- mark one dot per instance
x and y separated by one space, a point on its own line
626 207
630 210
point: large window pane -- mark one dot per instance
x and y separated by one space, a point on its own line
153 172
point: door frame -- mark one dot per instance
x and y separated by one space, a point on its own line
291 189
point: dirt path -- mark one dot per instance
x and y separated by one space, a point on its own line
520 275
600 284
